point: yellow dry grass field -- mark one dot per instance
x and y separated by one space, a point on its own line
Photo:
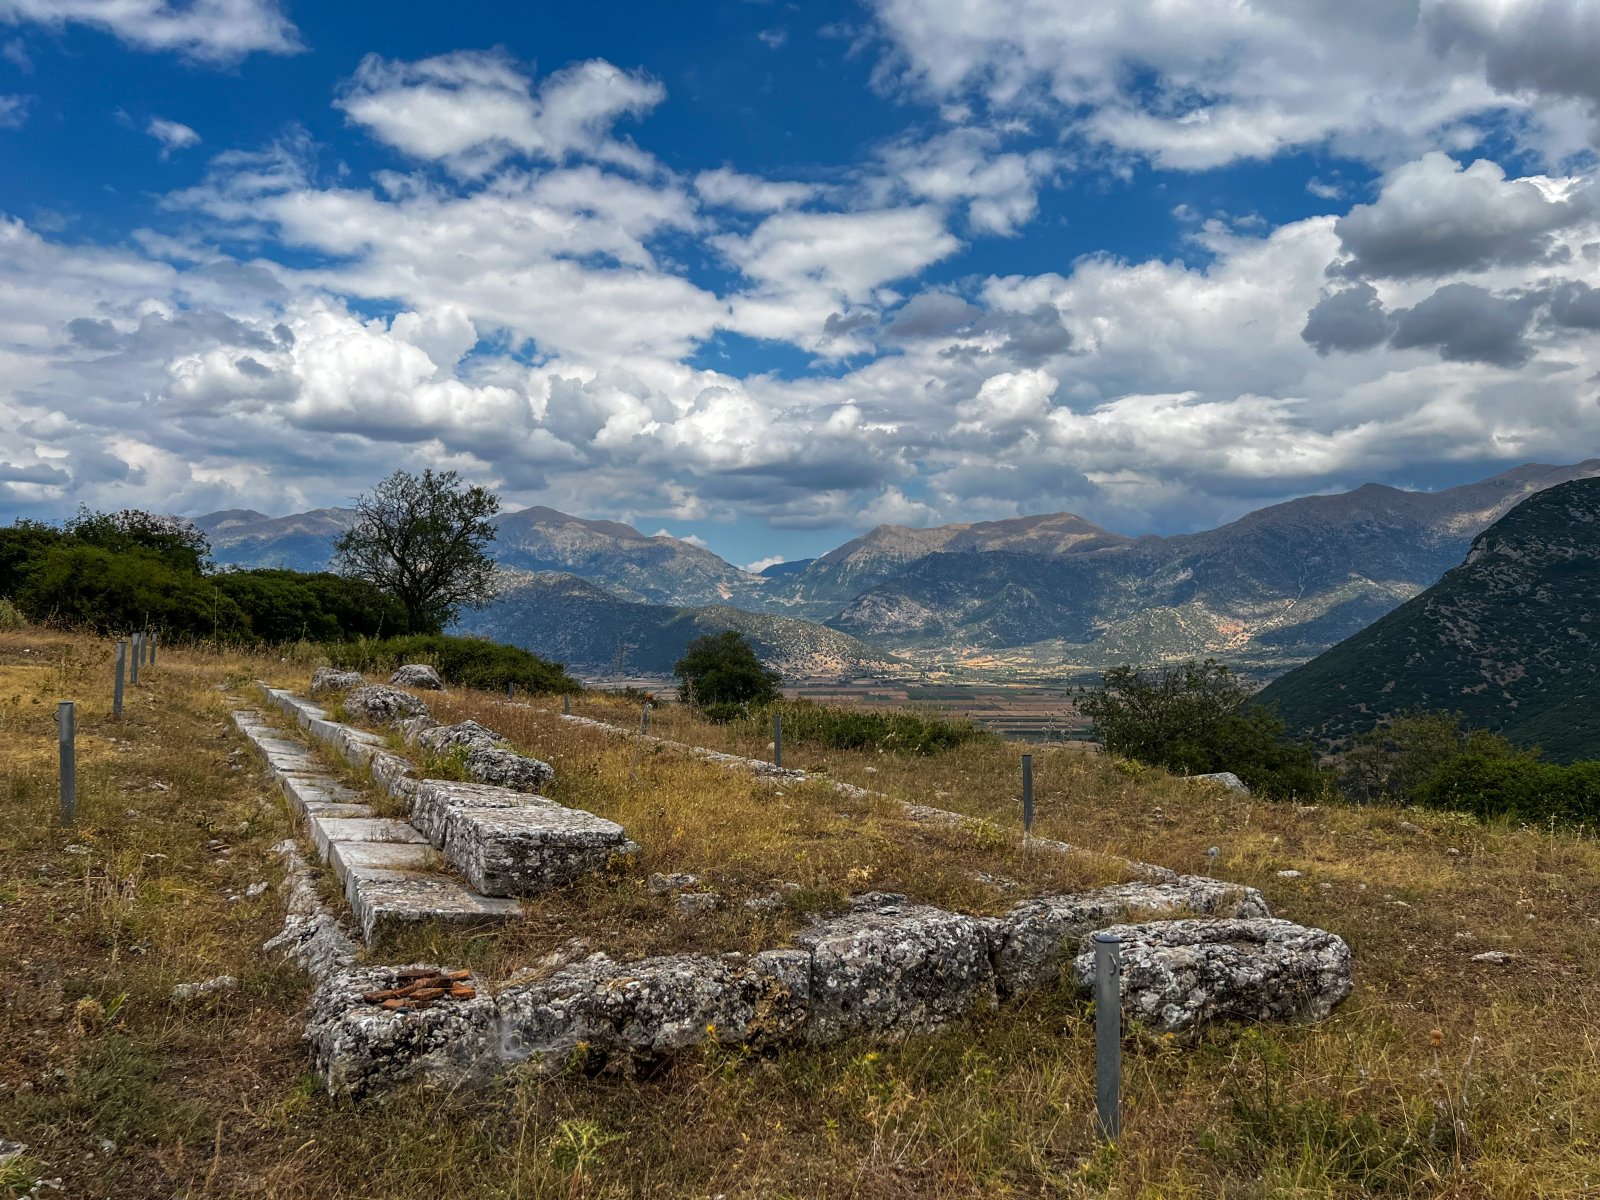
1440 1077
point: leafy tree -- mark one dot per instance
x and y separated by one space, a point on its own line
1516 785
424 541
171 539
1196 718
1394 761
20 544
721 670
287 606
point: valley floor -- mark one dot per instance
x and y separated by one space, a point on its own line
1442 1076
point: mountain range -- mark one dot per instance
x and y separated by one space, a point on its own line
1050 594
1510 638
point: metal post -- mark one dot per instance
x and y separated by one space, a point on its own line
566 704
67 726
777 740
511 692
138 653
644 718
1108 1033
1027 794
122 668
153 636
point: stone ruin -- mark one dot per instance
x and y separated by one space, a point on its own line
1194 949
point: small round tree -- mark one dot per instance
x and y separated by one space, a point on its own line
425 542
721 673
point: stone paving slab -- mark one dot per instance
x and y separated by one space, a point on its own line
385 899
327 830
524 851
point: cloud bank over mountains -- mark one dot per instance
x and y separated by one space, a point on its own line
528 292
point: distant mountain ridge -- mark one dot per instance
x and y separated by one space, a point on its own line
1056 591
1510 637
582 625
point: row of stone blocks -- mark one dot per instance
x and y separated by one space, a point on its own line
505 843
886 968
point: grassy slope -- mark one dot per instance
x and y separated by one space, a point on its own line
1440 1077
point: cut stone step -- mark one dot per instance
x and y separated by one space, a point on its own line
524 851
314 795
383 900
435 799
348 859
326 831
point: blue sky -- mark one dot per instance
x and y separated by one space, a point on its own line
765 275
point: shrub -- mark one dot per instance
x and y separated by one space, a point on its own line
10 617
1518 786
114 591
722 669
286 606
462 661
1394 760
1196 718
870 729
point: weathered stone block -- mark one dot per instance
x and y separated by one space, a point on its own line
890 966
524 850
419 676
377 704
624 1012
1178 974
508 769
1038 937
332 679
435 799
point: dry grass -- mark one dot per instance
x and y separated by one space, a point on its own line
1439 1078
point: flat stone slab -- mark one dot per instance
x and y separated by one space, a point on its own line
328 830
524 850
1038 937
383 900
319 794
889 966
434 800
350 858
1179 974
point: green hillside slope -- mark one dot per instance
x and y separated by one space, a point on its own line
1511 638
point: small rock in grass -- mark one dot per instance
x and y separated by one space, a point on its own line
76 848
1498 958
255 889
660 884
188 991
1290 874
417 675
692 904
1409 827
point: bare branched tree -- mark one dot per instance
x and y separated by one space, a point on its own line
424 541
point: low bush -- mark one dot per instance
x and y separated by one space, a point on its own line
868 729
10 616
461 661
112 591
1518 786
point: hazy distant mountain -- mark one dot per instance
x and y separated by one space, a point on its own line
586 627
889 550
302 542
1511 637
780 570
1278 585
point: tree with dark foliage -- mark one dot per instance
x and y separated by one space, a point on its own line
1196 718
423 541
720 672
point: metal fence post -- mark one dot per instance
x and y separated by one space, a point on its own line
1027 795
122 668
566 704
644 718
138 653
511 692
67 727
153 636
777 740
1108 1033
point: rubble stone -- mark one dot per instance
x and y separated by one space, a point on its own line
1225 779
332 679
417 675
1179 974
378 704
